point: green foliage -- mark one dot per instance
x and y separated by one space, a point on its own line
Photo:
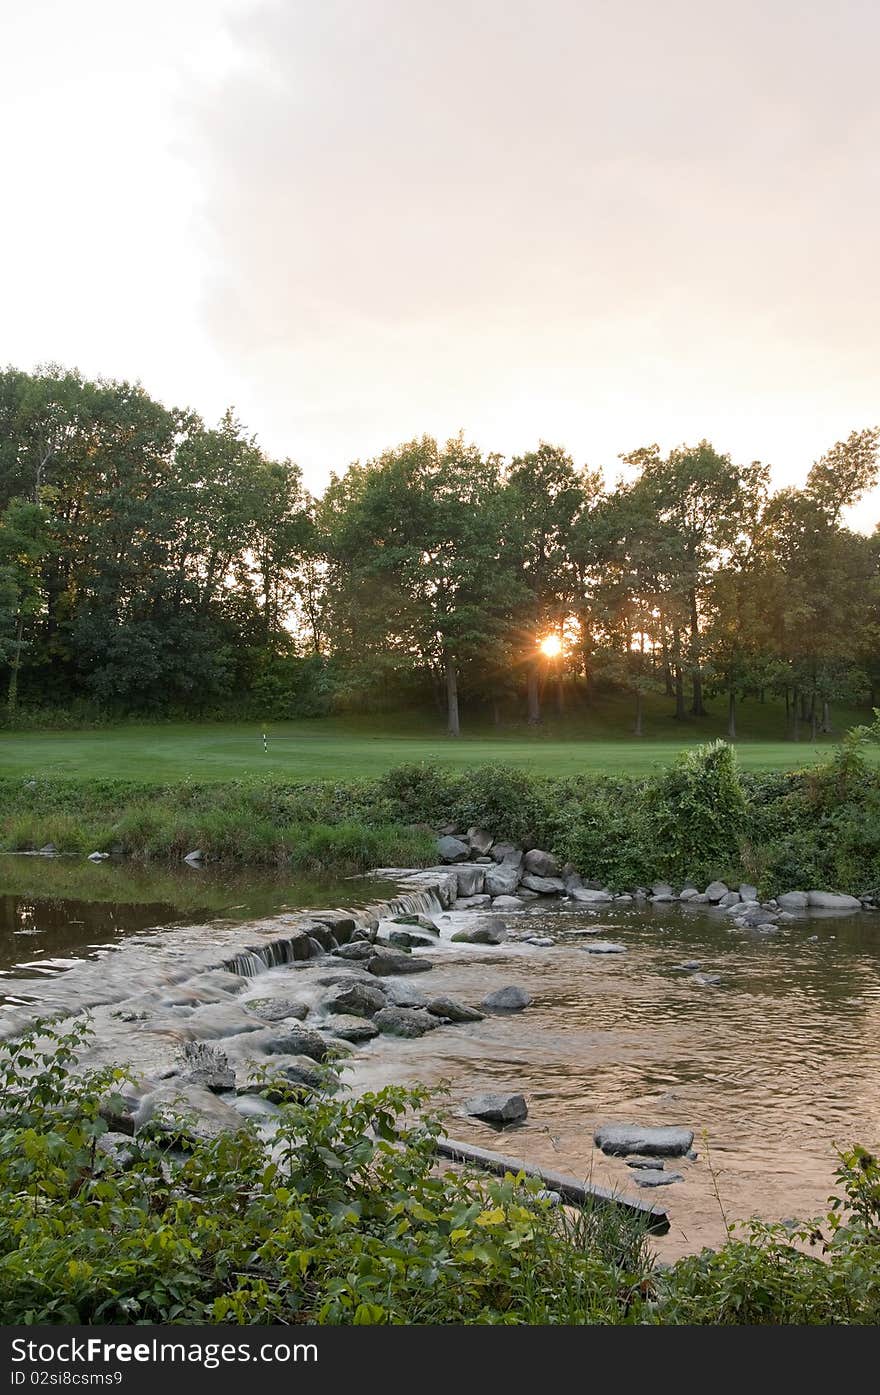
698 813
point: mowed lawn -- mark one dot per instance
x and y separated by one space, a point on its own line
335 749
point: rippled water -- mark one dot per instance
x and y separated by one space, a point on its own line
770 1067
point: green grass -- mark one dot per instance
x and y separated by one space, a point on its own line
598 741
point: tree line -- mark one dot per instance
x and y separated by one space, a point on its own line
150 563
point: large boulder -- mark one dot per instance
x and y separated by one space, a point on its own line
508 999
391 961
208 1066
470 880
501 880
358 1000
541 864
507 903
405 1022
276 1009
793 901
666 1142
350 1028
507 852
545 886
405 939
587 897
472 903
453 1011
497 1109
452 849
358 949
832 901
716 891
295 1040
748 892
480 841
490 931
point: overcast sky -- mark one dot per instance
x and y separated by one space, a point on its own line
596 222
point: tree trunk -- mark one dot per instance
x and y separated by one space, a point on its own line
637 729
453 726
560 694
697 706
826 717
496 712
795 723
12 692
731 713
533 700
679 694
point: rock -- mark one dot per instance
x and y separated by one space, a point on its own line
689 893
497 1109
656 1177
508 999
117 1148
322 936
748 892
715 891
689 964
701 899
98 857
624 899
470 880
793 901
294 1040
359 1000
756 916
392 961
50 850
358 949
472 903
342 926
404 1022
587 897
545 886
350 1028
206 1065
421 922
276 1009
506 852
731 899
490 931
662 891
539 941
541 864
401 993
501 880
408 940
507 903
297 1070
571 877
452 849
644 1141
603 947
785 917
832 901
480 841
484 861
194 857
188 1112
454 1011
707 980
645 1164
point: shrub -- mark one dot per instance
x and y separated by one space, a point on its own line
698 813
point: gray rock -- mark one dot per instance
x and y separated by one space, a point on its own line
190 1112
194 857
645 1164
793 901
276 1009
756 916
689 893
541 864
350 1028
689 964
358 1000
358 949
484 861
480 841
497 1109
49 850
731 899
392 961
716 891
507 903
404 1022
206 1065
588 897
294 1040
624 899
401 993
408 940
98 857
655 1177
501 880
507 999
118 1148
472 903
453 1011
545 886
748 892
603 947
539 941
663 1142
506 852
490 931
470 880
706 980
452 849
832 901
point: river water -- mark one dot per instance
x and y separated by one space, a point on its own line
771 1066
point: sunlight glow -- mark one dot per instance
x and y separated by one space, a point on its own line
551 646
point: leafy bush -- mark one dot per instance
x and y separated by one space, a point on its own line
698 813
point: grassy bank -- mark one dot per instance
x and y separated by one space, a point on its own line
350 1223
598 741
701 817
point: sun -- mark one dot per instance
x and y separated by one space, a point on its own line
551 646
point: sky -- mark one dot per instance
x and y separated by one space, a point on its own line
600 223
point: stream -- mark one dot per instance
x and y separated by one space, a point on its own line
771 1066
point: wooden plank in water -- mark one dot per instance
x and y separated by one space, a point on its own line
569 1188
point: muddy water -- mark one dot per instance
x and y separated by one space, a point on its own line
770 1066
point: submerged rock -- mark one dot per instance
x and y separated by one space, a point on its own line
603 947
654 1177
408 940
507 999
497 1109
663 1142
